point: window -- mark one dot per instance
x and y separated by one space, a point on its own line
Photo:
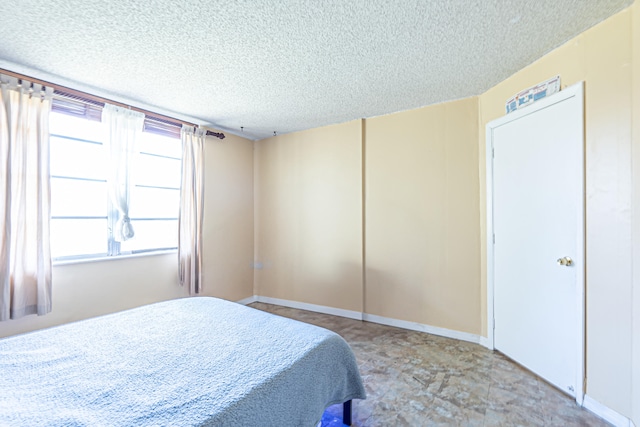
79 198
81 212
155 199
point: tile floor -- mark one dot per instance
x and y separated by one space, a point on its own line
417 379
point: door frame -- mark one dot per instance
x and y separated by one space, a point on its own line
577 91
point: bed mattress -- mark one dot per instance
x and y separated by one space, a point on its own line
194 361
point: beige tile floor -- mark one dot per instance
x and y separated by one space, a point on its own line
417 379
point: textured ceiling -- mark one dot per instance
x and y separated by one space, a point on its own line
285 65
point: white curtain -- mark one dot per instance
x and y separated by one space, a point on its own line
25 253
123 128
191 209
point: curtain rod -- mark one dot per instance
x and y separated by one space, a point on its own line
99 99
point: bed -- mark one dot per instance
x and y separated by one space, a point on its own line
194 361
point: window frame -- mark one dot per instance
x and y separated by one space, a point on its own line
91 110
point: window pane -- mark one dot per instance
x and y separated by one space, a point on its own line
70 197
154 203
152 235
72 237
157 171
77 159
159 144
75 127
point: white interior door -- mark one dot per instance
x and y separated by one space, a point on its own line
538 237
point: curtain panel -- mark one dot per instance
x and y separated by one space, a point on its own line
191 209
25 253
123 128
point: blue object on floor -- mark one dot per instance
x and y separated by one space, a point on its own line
332 417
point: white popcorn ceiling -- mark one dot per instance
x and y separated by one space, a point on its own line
285 65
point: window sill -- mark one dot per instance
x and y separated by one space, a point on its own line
112 258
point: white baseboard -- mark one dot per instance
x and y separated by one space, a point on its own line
248 300
605 412
420 327
350 314
311 307
484 341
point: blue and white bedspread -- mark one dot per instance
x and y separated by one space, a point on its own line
196 361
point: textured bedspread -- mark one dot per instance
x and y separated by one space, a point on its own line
194 361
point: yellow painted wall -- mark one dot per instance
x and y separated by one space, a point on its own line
228 225
422 206
635 132
308 216
601 57
94 288
91 289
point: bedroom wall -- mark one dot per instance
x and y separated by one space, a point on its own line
602 58
422 207
635 132
228 225
308 216
90 289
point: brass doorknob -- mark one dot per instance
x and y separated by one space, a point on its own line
566 261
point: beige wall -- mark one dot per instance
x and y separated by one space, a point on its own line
601 57
422 230
308 216
91 289
228 225
422 207
94 288
635 66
